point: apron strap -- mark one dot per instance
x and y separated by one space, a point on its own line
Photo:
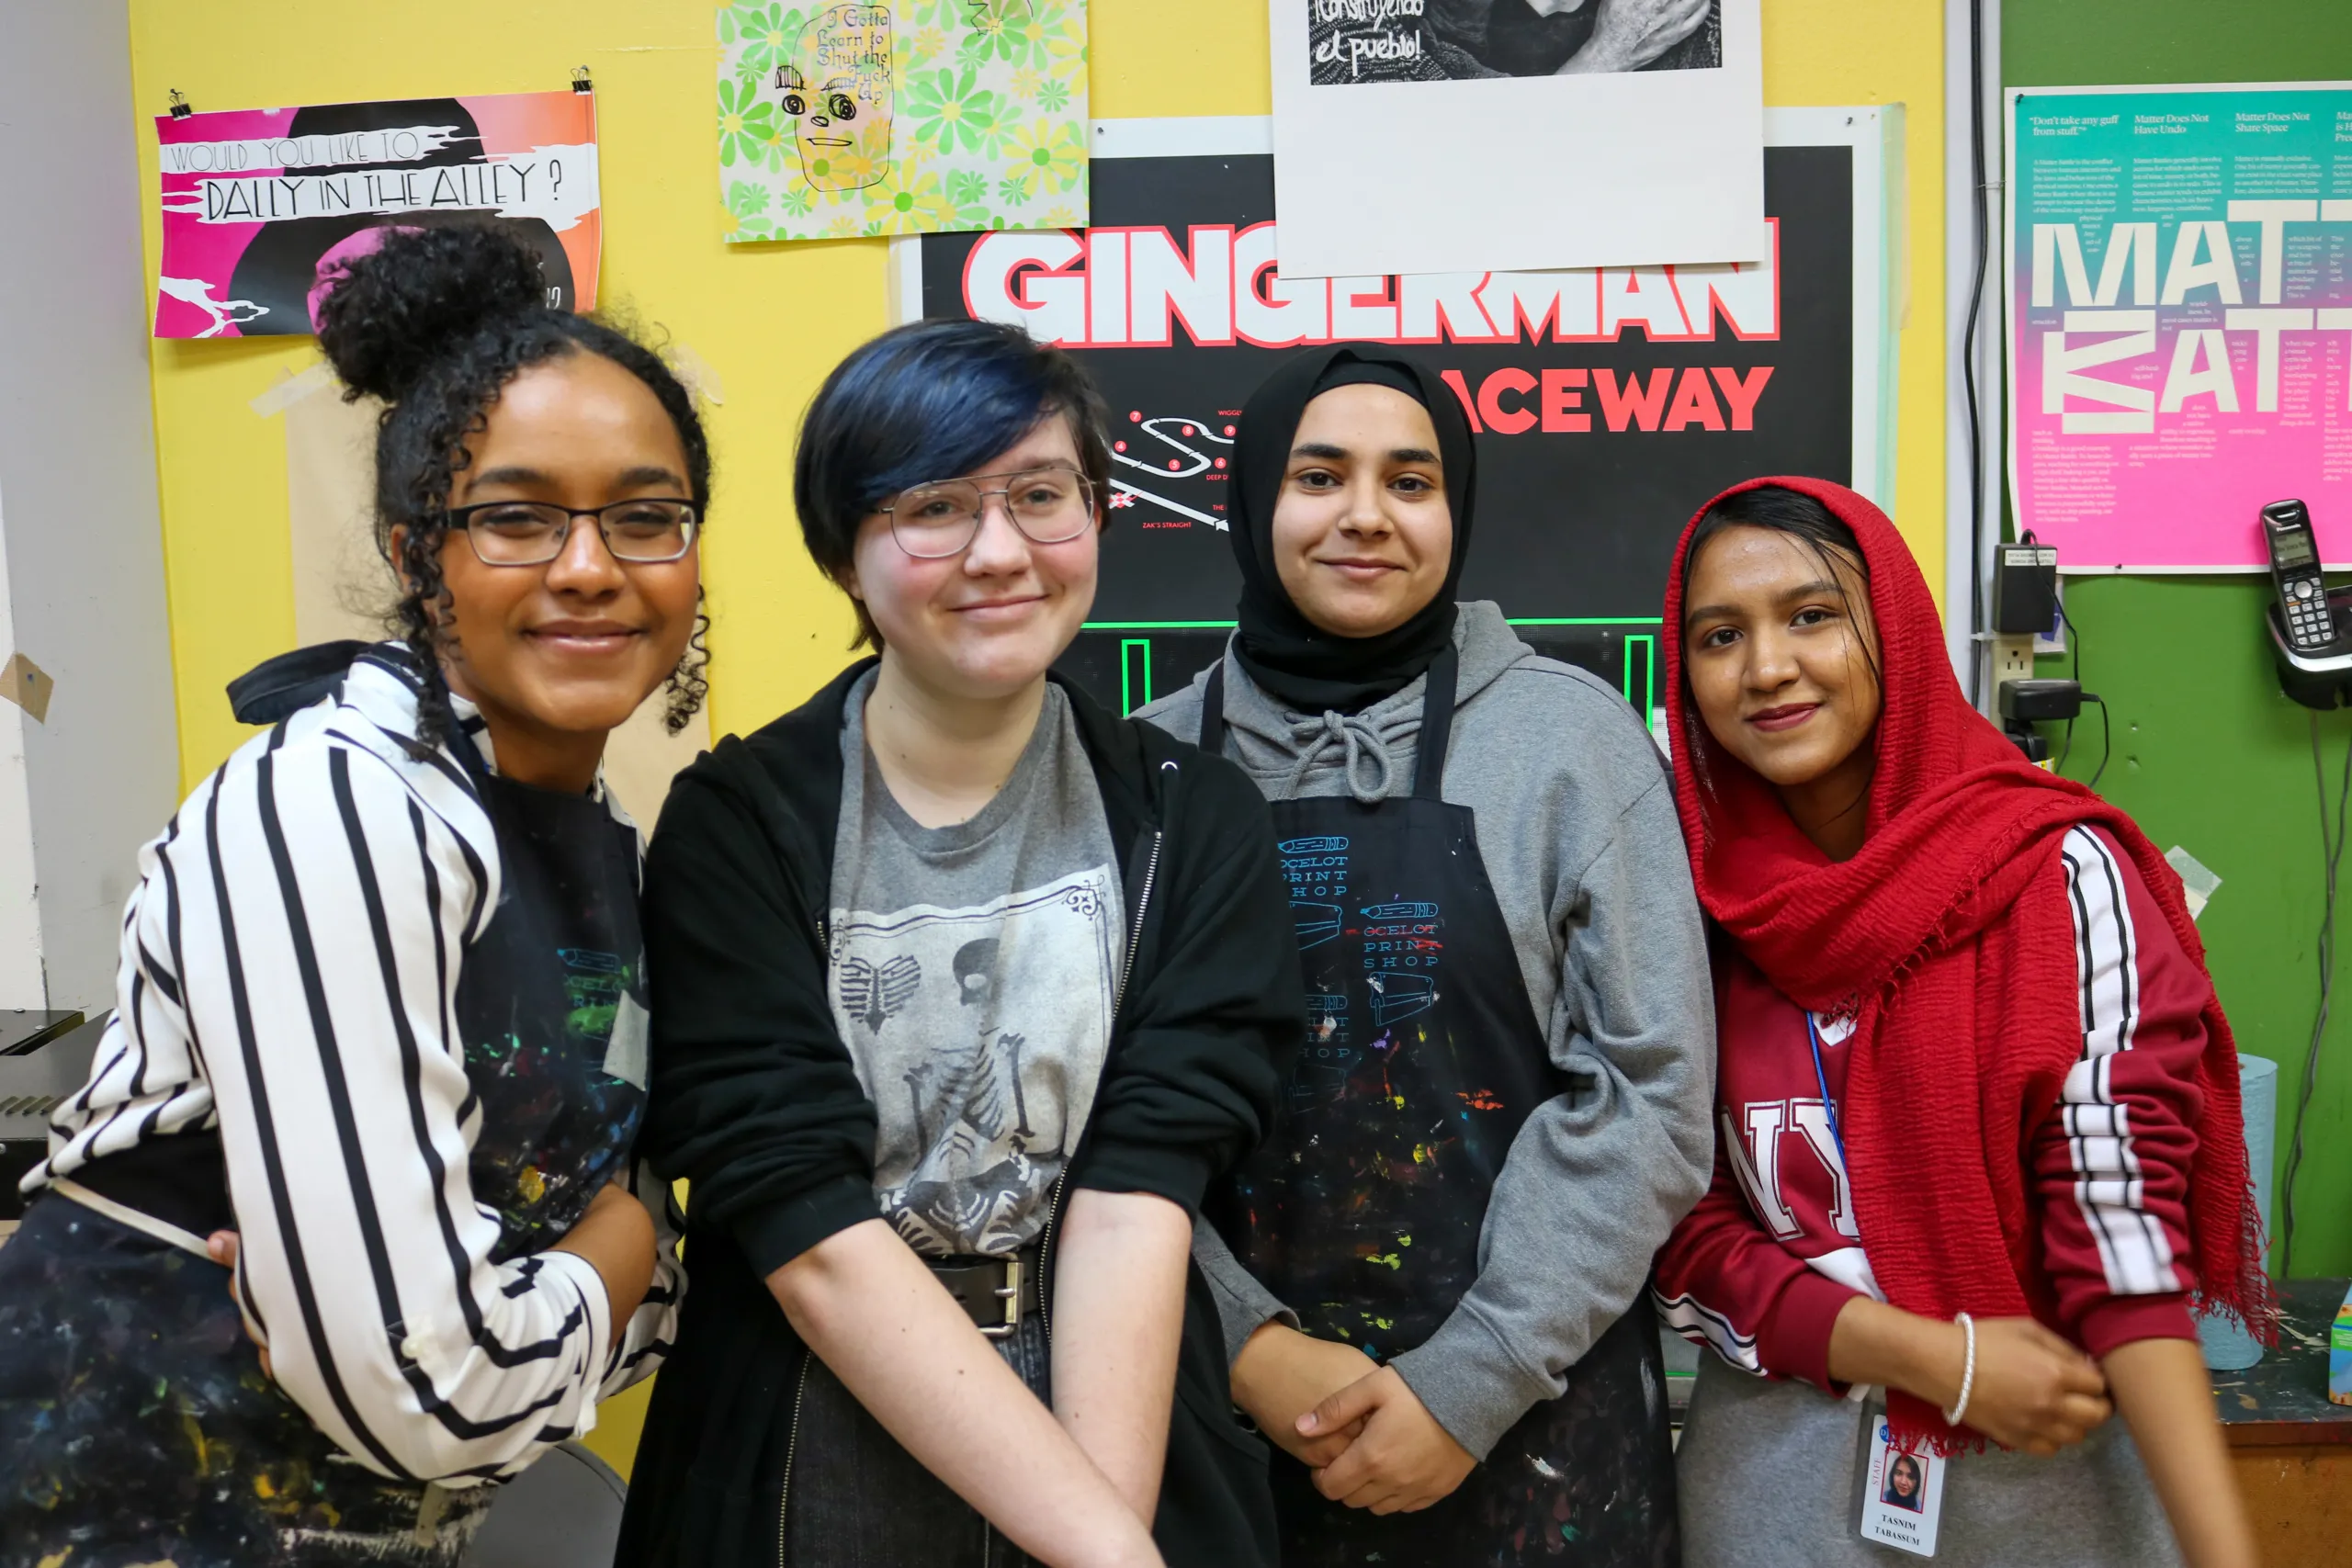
1211 739
1437 725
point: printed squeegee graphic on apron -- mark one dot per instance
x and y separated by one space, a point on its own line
1363 1209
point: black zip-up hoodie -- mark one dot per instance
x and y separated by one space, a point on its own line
755 1102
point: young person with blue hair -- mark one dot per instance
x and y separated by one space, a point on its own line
965 991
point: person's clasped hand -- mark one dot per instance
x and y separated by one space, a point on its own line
1400 1462
2033 1391
1281 1374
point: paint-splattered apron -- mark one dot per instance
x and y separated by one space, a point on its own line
136 1425
1364 1209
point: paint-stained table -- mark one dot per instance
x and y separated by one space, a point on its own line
2292 1449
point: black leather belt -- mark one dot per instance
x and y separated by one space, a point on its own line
997 1293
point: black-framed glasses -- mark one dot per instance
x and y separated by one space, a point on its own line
1050 506
533 533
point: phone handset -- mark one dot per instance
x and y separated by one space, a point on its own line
2294 567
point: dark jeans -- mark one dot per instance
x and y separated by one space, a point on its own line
859 1500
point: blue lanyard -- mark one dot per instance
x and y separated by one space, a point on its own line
1812 1038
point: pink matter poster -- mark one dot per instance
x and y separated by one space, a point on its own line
261 206
2181 321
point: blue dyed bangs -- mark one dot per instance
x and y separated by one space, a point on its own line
930 401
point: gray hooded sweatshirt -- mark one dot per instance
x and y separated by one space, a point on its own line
1576 821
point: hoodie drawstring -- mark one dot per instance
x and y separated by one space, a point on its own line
1365 745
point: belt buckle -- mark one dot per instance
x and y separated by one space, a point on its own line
1010 1293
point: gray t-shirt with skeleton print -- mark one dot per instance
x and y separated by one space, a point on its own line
973 970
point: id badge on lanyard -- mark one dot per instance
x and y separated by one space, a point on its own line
1900 1501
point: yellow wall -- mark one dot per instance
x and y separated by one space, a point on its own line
770 319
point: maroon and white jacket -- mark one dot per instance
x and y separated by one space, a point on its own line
1761 1267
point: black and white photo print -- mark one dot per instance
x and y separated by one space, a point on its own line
1453 41
1444 136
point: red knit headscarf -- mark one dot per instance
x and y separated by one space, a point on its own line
1949 939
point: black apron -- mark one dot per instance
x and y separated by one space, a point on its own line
1363 1209
135 1423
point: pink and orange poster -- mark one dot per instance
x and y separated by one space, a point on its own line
261 206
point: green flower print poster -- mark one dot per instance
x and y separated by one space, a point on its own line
911 117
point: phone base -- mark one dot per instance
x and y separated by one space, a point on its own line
2319 677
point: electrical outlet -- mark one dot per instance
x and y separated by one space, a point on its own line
2012 659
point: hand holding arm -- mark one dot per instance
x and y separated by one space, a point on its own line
866 1305
1402 1462
642 1341
2167 1401
1283 1375
616 1235
2032 1391
1119 1311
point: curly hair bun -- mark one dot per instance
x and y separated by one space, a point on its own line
399 309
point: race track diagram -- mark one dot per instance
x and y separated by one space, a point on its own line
1168 448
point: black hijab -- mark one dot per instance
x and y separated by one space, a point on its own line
1301 666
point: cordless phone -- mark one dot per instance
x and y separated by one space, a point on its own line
2294 567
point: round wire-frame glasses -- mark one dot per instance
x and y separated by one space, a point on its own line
645 531
1049 505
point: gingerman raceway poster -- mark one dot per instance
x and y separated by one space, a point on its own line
1607 404
914 116
261 207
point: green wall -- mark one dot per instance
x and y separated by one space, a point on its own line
2208 755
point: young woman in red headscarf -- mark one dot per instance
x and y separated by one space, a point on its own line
1978 1134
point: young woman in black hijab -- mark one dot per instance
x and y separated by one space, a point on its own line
1438 1257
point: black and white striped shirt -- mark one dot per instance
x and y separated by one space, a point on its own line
290 961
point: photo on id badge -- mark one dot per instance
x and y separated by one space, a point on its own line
1902 1492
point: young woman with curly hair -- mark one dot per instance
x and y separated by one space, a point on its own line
381 1010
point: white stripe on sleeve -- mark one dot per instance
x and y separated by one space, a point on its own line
2132 1247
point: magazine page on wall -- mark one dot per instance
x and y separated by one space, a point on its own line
1450 135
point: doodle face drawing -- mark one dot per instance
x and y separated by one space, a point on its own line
836 91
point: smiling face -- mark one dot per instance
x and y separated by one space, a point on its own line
557 655
1906 1478
1363 534
985 624
1782 660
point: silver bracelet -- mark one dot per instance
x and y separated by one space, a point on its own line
1967 1372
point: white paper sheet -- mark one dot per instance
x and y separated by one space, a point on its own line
1401 145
